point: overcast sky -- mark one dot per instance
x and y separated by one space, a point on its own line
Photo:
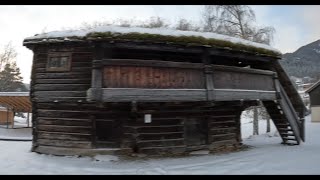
295 25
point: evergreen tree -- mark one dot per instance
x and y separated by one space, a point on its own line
10 79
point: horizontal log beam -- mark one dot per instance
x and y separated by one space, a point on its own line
151 95
242 70
151 63
163 95
247 56
240 94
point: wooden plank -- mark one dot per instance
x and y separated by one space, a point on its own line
153 136
152 77
64 143
242 70
63 122
63 81
61 87
47 94
157 47
68 137
154 129
162 143
58 128
85 62
194 50
240 94
149 95
66 133
151 63
62 75
59 99
242 80
73 69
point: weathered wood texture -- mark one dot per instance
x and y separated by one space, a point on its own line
56 124
242 80
147 95
179 128
64 119
289 88
184 95
152 77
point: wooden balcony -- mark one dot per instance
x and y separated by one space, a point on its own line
123 80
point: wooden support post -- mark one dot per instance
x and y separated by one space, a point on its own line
255 121
238 124
93 131
12 125
208 71
7 117
28 120
95 93
101 51
276 86
96 83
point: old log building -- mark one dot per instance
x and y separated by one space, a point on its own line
117 89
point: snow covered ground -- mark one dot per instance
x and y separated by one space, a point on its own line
266 156
20 130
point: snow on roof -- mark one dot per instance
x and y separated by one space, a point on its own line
315 85
115 31
14 93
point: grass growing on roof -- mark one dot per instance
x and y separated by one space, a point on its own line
181 40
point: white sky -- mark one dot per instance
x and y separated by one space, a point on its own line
295 25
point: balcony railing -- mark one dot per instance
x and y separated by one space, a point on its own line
126 80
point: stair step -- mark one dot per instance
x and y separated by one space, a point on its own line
284 129
289 138
282 124
290 143
287 134
279 120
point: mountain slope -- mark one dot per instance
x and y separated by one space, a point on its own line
303 62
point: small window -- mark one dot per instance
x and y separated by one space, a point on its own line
59 62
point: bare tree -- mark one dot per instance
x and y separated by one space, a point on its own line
236 21
94 24
185 25
7 55
263 35
211 19
155 22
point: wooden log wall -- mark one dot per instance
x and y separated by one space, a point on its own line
167 132
63 118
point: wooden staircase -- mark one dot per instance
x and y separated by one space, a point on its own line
289 135
290 126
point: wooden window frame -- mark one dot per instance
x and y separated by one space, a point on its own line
59 55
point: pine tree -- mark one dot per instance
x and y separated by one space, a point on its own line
10 79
